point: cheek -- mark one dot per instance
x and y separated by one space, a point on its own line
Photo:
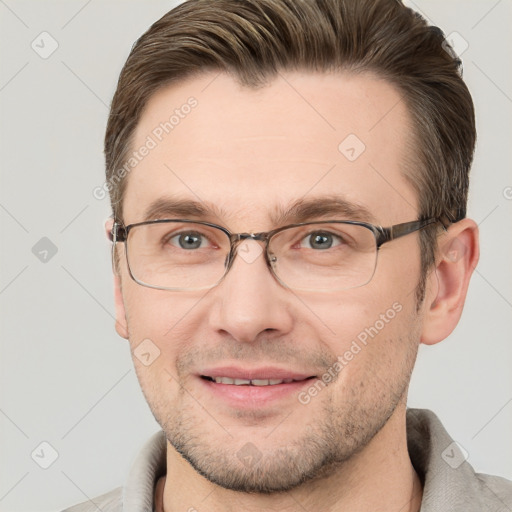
161 324
157 314
372 327
398 269
375 360
153 352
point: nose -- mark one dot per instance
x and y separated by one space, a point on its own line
249 300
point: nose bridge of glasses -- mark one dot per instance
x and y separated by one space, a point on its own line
247 253
239 238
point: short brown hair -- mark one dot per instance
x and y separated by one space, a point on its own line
253 40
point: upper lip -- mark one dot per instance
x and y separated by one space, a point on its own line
263 372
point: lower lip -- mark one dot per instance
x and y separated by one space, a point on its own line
251 396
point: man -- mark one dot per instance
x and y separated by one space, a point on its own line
289 183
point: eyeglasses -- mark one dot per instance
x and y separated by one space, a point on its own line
186 255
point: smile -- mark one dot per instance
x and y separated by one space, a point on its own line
251 382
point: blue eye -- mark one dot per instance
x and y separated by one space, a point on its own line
321 240
188 240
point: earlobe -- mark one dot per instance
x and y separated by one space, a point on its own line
121 323
457 257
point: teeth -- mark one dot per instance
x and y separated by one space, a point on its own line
263 382
253 382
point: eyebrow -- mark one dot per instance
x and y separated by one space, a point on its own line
333 206
300 210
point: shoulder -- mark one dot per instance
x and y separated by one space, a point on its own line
494 490
450 481
109 502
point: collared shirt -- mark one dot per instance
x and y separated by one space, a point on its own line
449 482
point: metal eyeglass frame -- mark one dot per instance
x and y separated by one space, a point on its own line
382 235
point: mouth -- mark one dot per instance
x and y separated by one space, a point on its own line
254 390
253 382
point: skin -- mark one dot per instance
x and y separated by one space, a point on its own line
247 151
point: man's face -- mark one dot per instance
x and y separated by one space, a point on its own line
249 152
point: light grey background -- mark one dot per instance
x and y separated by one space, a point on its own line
66 377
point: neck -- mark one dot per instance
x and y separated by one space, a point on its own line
379 477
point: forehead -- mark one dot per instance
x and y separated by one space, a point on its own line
251 152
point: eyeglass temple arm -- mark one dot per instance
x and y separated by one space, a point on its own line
118 233
399 230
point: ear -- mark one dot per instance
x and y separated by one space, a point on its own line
121 323
457 257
